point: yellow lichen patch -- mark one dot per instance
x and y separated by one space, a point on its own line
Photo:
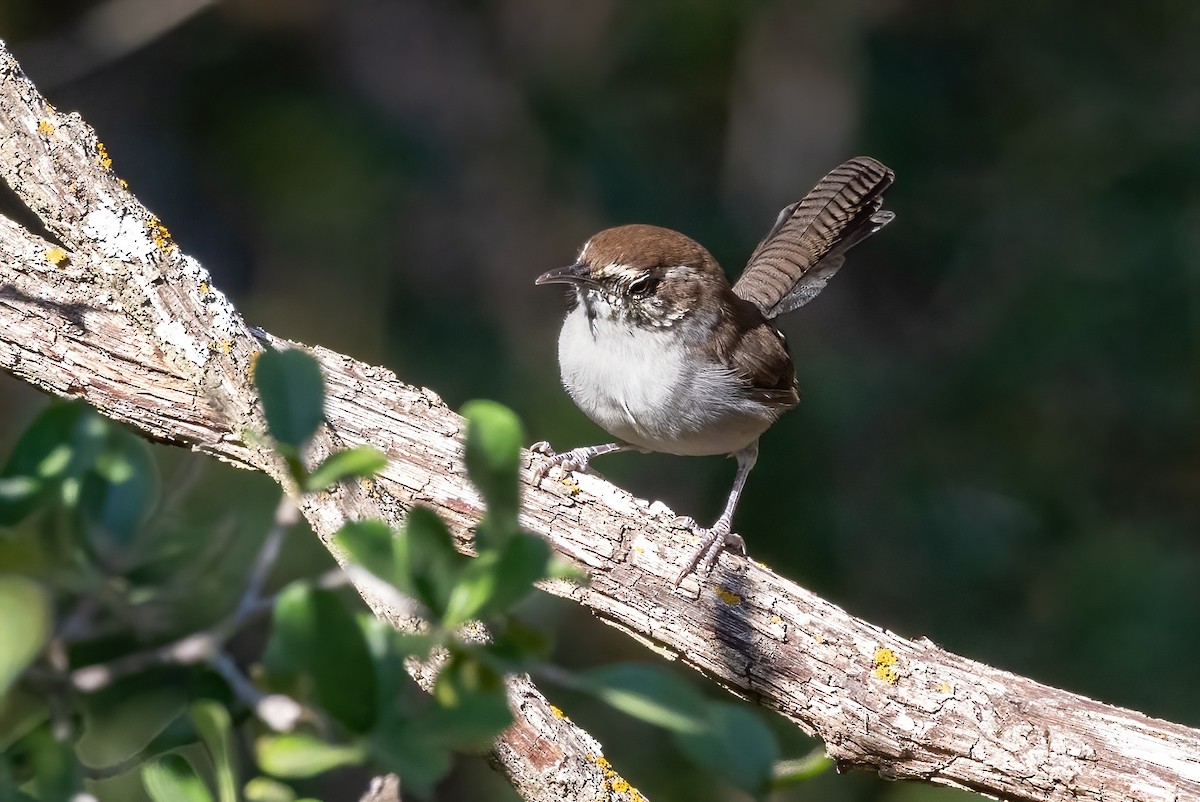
204 288
253 365
570 484
729 597
945 687
162 237
885 662
45 128
56 256
558 713
124 183
222 347
616 784
102 157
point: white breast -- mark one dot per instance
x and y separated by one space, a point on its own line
646 388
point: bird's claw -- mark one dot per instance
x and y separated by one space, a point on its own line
705 555
566 462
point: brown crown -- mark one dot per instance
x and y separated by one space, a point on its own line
643 248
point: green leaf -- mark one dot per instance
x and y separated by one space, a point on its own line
464 676
493 457
361 461
121 720
172 779
16 491
54 770
103 471
212 722
737 745
649 693
474 589
420 560
299 754
515 644
179 734
20 713
786 773
8 785
496 580
293 394
314 634
562 568
523 560
427 565
40 450
471 724
371 544
402 747
264 789
54 446
389 650
28 620
118 490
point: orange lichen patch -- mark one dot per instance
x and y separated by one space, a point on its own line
729 597
616 784
885 662
45 128
102 157
162 237
57 256
253 365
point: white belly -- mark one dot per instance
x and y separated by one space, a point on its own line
642 387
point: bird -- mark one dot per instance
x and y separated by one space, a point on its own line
661 352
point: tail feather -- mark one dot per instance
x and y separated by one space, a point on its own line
810 238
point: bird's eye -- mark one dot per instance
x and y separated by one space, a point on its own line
642 286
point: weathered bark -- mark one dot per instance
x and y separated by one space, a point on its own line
133 327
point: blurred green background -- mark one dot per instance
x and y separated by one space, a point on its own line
998 445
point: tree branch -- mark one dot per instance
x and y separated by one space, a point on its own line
134 328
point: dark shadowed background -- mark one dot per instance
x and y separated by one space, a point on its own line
998 446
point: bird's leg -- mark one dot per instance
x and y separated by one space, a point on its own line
720 535
576 459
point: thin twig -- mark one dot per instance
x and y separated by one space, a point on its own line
279 712
198 647
286 516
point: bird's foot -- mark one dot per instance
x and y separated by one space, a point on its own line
574 460
709 549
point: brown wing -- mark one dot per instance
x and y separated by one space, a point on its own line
761 356
756 352
808 242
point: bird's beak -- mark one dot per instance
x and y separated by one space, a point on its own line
577 273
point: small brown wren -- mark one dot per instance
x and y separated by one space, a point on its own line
664 355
